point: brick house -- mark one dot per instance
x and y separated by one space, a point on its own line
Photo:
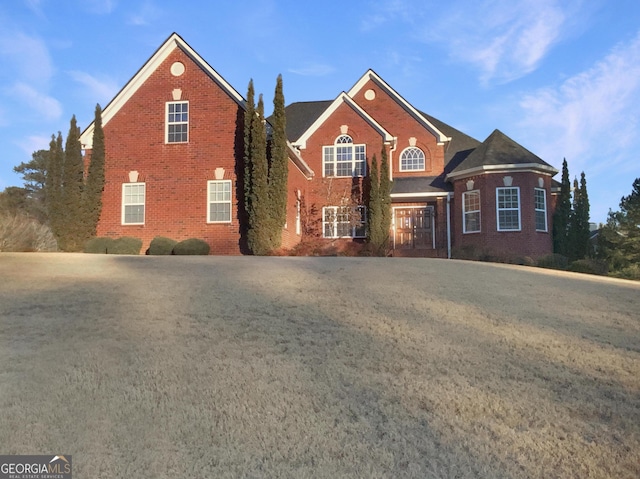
174 146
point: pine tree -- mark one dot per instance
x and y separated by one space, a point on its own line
374 207
34 174
72 191
385 200
562 215
278 168
95 178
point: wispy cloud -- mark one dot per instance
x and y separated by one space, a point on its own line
592 111
28 56
147 14
99 7
383 12
100 90
312 69
48 107
503 39
34 143
35 6
592 119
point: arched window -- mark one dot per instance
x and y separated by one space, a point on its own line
412 159
344 158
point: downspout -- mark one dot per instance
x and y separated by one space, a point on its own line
448 225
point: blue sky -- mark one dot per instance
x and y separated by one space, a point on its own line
561 77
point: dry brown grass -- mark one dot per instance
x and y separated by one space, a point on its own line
318 367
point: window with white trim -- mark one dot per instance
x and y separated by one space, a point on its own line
219 201
344 222
540 200
177 122
133 200
344 158
471 211
508 208
412 159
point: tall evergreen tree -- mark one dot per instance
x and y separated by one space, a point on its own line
72 191
249 114
374 207
278 168
95 178
34 174
53 186
385 199
579 228
562 214
258 235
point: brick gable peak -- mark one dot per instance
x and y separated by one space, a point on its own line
343 98
148 68
370 75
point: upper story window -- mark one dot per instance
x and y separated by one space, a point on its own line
471 211
412 159
540 200
177 122
508 208
344 158
133 200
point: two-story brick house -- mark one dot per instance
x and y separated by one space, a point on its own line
174 153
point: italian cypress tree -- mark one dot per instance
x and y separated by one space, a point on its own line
72 191
278 168
258 235
53 185
562 214
579 224
374 208
95 178
385 200
249 114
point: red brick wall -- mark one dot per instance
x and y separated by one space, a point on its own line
397 121
527 241
176 175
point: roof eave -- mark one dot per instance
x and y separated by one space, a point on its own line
545 169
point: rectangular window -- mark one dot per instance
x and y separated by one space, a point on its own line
471 211
219 203
178 122
133 199
343 222
346 160
508 206
541 209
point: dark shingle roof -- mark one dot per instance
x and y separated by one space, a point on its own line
420 184
498 149
460 146
301 115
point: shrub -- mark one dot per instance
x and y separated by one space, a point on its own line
590 266
192 246
21 233
161 245
125 245
98 245
630 272
553 261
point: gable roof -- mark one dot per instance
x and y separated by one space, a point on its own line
343 98
301 115
170 44
499 152
373 76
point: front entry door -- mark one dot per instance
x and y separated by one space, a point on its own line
413 228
